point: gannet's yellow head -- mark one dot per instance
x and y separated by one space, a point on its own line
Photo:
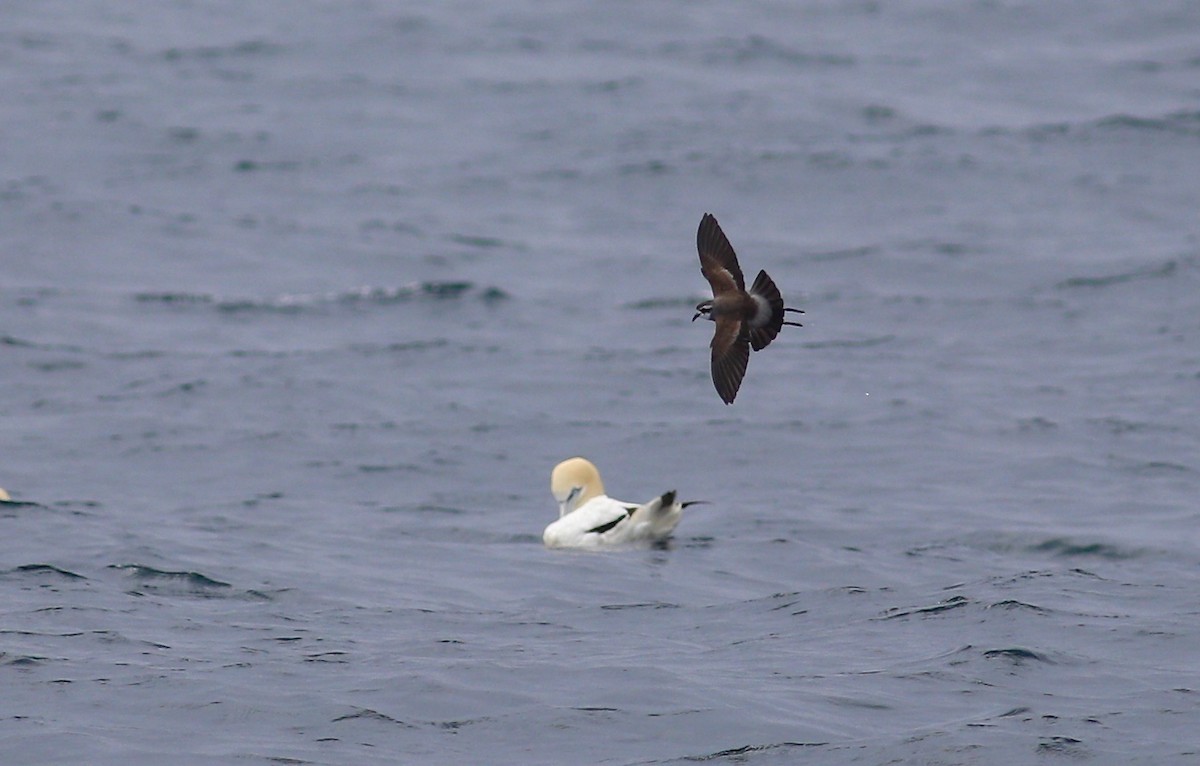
573 482
4 496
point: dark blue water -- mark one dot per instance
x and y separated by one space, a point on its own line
301 302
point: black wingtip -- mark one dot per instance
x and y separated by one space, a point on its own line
707 222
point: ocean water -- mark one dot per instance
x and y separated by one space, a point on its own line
300 302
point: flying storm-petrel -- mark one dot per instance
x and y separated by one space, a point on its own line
745 319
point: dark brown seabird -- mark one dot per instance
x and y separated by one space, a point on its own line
744 319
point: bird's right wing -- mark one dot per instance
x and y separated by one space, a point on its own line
718 262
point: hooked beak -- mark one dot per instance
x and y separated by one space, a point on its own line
696 316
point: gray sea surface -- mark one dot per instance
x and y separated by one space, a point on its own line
301 301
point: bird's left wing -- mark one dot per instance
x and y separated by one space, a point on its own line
730 355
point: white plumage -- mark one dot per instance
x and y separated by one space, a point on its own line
588 518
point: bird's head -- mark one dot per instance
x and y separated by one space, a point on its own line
573 482
704 308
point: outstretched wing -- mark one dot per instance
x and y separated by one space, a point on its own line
730 355
718 262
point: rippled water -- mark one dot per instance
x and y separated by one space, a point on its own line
300 303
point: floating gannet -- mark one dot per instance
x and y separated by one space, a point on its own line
744 319
588 518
